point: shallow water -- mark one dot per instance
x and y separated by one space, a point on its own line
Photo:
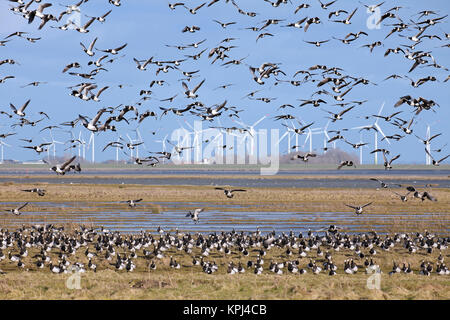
244 183
118 217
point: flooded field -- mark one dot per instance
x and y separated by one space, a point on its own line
216 217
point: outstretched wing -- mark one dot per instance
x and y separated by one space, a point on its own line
65 164
22 206
367 204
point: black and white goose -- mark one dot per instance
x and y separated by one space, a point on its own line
20 112
115 50
358 209
88 50
132 203
192 93
16 211
38 148
229 192
40 192
61 169
194 214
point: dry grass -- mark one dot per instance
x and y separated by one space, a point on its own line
191 283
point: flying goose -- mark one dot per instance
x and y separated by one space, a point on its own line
194 214
346 20
116 50
387 164
2 80
191 93
383 184
63 168
194 10
132 203
88 50
38 148
436 162
16 211
347 163
101 18
358 209
20 112
83 29
229 192
92 125
404 198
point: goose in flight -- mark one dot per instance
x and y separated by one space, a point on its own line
346 20
92 125
194 214
20 112
83 29
38 148
387 164
436 162
229 192
402 197
383 184
114 51
347 163
358 209
131 203
194 10
63 168
88 50
16 211
191 93
40 192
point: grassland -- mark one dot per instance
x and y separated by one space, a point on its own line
191 283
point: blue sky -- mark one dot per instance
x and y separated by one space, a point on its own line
147 26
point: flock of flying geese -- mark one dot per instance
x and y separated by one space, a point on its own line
88 250
327 82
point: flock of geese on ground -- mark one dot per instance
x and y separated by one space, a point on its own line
99 249
329 85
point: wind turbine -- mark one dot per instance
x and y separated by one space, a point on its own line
91 144
428 143
252 133
326 137
81 144
117 149
377 129
310 135
131 148
428 146
138 135
288 134
163 142
197 132
3 144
